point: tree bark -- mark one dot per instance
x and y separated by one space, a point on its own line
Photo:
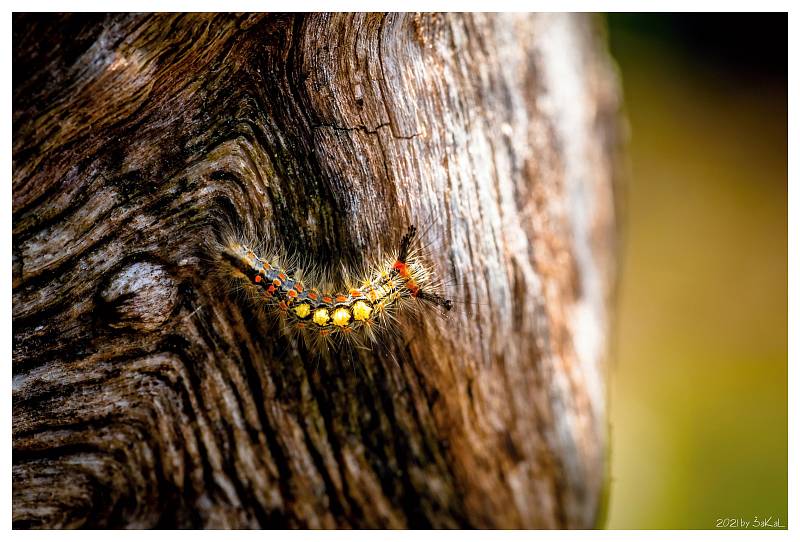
147 395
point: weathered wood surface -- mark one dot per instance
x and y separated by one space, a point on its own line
144 395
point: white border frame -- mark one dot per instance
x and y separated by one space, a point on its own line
434 5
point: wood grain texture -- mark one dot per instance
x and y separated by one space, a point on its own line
145 395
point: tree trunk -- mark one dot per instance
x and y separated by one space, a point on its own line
145 394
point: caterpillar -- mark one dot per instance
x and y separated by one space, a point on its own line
400 283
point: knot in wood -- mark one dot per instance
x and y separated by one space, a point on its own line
140 296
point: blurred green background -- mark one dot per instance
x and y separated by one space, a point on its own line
698 394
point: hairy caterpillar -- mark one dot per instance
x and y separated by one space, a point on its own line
397 284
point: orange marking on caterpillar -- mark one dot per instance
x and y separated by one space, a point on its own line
327 299
277 283
402 268
257 278
312 296
341 298
292 293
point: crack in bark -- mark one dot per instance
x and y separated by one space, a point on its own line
365 129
